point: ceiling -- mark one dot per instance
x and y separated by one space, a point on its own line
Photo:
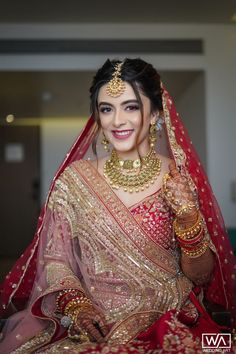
107 11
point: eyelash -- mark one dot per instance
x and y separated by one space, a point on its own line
130 108
105 109
133 107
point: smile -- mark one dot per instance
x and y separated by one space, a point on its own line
122 134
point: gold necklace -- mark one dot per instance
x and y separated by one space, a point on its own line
132 175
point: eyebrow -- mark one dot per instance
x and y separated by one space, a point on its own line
123 103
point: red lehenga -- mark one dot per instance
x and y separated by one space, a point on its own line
124 259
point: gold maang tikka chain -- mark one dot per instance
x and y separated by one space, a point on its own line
132 175
116 85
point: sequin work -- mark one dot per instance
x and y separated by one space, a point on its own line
130 275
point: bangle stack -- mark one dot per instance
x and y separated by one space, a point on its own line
189 233
186 209
74 307
192 240
65 296
196 252
69 303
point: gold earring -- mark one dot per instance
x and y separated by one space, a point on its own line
152 134
105 143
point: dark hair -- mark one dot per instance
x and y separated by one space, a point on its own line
140 75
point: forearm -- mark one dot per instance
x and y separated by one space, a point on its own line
197 259
198 269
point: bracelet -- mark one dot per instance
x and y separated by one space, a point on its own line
65 296
192 247
197 252
71 312
80 308
190 232
193 241
77 303
71 302
186 208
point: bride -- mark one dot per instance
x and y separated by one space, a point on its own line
130 246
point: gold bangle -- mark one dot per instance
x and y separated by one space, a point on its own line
76 303
189 232
77 311
70 308
65 296
189 235
186 208
194 241
196 253
178 227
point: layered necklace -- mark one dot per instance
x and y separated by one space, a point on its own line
132 175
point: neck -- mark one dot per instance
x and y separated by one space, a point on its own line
135 153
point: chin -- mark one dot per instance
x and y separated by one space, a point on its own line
122 147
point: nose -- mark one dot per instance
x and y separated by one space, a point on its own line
119 118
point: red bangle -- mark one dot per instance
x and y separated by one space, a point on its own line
65 296
198 238
193 248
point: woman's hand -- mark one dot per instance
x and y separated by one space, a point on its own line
181 197
91 322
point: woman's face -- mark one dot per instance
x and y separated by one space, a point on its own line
122 123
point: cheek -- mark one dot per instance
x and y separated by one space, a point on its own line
105 122
143 125
136 121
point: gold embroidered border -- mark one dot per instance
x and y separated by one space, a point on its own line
125 219
136 323
178 153
98 231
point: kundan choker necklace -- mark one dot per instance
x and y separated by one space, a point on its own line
132 175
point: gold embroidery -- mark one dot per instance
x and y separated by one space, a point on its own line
176 149
36 342
179 339
68 346
126 275
57 271
134 324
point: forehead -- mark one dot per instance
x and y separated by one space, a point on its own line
128 94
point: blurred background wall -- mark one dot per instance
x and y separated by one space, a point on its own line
48 56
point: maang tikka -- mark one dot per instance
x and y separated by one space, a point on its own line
116 85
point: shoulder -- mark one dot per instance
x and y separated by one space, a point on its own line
98 164
68 172
64 184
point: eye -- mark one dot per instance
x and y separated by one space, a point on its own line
132 107
105 109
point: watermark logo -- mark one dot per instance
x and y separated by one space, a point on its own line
216 342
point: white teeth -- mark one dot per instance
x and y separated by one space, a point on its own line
122 133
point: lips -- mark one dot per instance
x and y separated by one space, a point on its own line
122 134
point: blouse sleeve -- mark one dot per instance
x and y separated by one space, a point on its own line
57 266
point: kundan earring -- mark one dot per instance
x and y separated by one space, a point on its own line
152 134
105 143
